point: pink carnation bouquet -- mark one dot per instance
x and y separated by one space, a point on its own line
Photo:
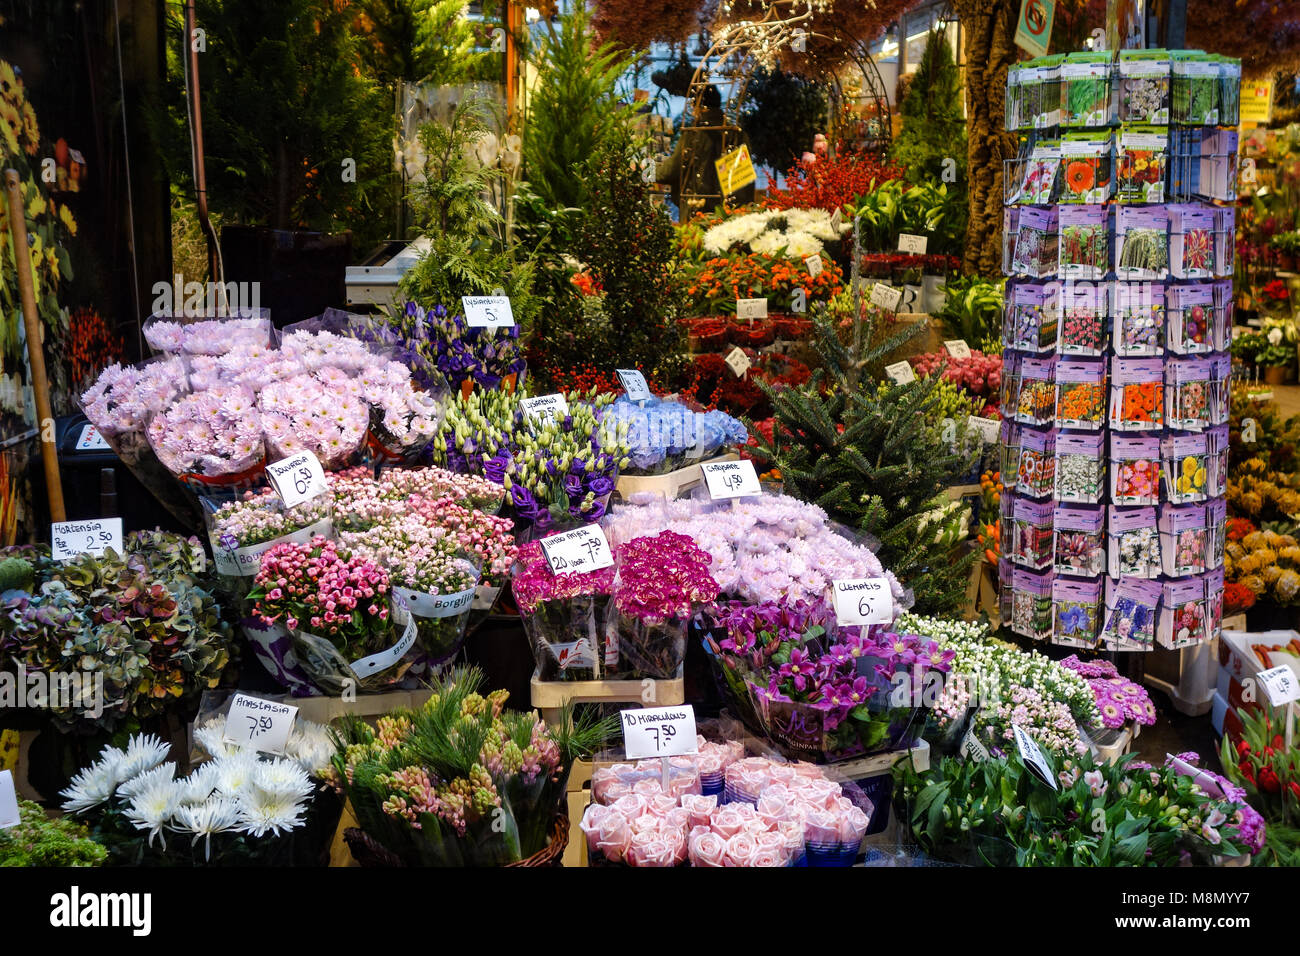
564 616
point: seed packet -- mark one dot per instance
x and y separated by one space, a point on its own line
1009 450
1182 618
1188 388
1213 603
1225 250
1216 448
1080 468
1131 606
1137 394
1009 387
1142 159
1031 543
1191 241
1030 320
1142 242
1031 604
1184 541
1080 540
1133 538
1194 89
1084 242
1032 180
1087 161
1193 318
1014 102
1034 241
1086 90
1084 308
1036 469
1138 309
1076 612
1221 338
1186 468
1203 163
1045 100
1229 91
1144 86
1006 570
1036 402
1080 394
1135 466
1216 519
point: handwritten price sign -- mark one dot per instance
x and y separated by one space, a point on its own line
731 479
578 551
487 311
1280 684
545 408
659 731
263 725
68 539
297 478
862 601
634 385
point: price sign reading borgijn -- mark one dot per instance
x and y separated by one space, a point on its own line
659 731
68 539
262 725
1280 684
731 479
297 478
487 311
577 551
862 601
1033 757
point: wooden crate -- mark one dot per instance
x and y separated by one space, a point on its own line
550 697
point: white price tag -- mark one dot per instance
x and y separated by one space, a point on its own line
578 551
546 408
68 539
634 385
1033 757
487 311
738 361
837 219
297 478
900 372
1280 684
9 816
263 725
731 479
751 309
659 732
378 663
886 297
862 601
990 429
957 348
914 245
972 748
813 264
91 440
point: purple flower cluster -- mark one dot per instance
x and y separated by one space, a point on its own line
1118 699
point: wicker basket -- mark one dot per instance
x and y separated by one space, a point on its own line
369 853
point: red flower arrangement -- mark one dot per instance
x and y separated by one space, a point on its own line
980 375
92 346
1238 528
831 183
586 283
1237 598
882 263
1276 290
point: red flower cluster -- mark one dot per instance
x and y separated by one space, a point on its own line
1237 597
1238 528
877 263
92 346
831 184
980 375
1276 290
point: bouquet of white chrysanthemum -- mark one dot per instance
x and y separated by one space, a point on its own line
238 808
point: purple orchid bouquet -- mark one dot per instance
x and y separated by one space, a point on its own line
820 691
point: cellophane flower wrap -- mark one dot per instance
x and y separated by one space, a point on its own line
337 608
199 335
566 617
241 531
665 435
659 583
210 438
443 339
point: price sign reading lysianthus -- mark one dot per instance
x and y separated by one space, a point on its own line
990 429
957 348
634 385
813 264
578 551
1033 757
68 539
91 440
913 245
1280 684
262 725
862 601
546 408
901 373
737 361
487 311
659 732
751 309
886 297
9 800
297 478
731 479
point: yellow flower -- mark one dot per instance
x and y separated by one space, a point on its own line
1189 465
69 223
33 131
8 79
53 261
36 206
1198 479
11 123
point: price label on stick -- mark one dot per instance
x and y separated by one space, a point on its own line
814 265
297 478
738 361
972 748
731 479
1033 757
546 408
68 539
659 731
1280 684
862 601
634 385
957 348
886 297
487 311
578 551
91 440
990 429
913 245
263 725
751 309
900 372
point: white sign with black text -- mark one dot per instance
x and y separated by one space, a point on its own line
297 478
487 311
886 297
862 601
546 408
578 551
263 725
913 245
659 732
1280 684
634 385
901 373
731 479
738 361
1033 757
957 348
68 539
751 309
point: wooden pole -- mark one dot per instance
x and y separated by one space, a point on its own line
35 354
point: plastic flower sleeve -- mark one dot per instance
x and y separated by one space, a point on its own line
241 531
1133 543
179 334
1076 609
1131 606
211 440
566 618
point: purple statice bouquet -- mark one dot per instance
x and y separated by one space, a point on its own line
1119 700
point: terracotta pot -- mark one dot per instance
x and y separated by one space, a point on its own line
1275 374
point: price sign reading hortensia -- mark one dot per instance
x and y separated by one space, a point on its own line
263 725
731 479
659 731
577 551
862 601
297 478
68 539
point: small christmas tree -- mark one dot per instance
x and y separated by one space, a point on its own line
933 127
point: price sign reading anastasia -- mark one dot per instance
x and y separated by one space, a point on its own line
262 725
731 479
957 348
487 311
9 797
659 731
913 245
578 551
1280 684
862 601
1033 757
91 440
886 297
297 478
900 373
751 309
634 385
546 408
814 265
68 539
738 361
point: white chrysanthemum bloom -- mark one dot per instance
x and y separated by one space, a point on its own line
90 788
263 813
198 786
129 789
143 752
310 746
209 737
235 772
282 778
110 763
153 807
217 815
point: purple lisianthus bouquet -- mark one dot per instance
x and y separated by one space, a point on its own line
440 338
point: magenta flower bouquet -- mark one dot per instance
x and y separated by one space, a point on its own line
1119 700
565 617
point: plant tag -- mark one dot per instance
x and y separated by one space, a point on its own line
1033 757
68 539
